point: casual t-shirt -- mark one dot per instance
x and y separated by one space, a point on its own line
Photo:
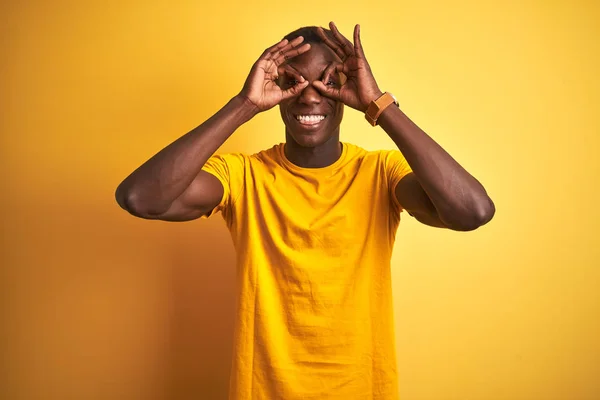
314 316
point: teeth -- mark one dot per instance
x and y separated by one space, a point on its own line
310 118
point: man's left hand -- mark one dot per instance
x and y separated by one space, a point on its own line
360 87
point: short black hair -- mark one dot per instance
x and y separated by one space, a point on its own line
309 33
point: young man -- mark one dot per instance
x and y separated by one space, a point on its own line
313 220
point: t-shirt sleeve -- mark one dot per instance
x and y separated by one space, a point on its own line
396 168
229 170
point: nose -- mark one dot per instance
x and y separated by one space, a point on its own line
310 95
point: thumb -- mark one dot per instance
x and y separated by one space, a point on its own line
294 90
334 93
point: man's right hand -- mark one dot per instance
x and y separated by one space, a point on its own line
261 87
171 185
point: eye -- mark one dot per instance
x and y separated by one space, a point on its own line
292 82
331 83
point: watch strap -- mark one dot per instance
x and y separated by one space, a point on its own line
377 106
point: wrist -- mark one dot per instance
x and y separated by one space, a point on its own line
376 94
245 108
378 106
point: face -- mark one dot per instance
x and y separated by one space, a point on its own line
310 118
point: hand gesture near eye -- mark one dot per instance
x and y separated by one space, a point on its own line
261 87
360 87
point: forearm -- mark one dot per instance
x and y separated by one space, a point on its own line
164 177
460 200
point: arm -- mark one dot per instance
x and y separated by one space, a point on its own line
439 192
171 185
416 202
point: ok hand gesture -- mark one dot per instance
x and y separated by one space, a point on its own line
360 87
261 87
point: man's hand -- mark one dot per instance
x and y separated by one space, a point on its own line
360 87
261 87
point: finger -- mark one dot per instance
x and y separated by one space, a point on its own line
333 68
294 43
283 45
283 56
294 90
345 43
332 45
273 48
334 93
358 49
289 72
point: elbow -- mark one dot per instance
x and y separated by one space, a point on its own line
481 214
132 202
488 211
121 197
128 200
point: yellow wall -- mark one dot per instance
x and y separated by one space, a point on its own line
99 305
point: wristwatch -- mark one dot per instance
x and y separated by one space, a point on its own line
377 106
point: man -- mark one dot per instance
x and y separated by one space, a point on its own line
313 220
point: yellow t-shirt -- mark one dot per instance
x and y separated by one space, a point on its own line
314 315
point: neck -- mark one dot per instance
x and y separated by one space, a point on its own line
313 157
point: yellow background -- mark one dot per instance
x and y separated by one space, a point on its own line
96 304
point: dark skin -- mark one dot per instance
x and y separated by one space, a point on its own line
316 147
306 78
171 186
440 192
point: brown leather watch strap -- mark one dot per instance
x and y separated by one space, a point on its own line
377 106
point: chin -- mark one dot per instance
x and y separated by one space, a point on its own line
310 140
315 134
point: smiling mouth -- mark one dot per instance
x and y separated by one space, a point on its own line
309 119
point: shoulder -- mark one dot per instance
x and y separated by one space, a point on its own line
245 159
226 163
272 153
240 163
382 157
